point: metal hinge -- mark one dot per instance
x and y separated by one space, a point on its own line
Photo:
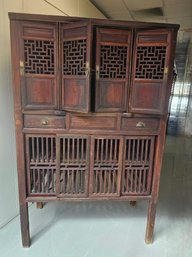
21 67
87 69
166 70
97 71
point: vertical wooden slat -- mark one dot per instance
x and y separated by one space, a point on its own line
101 157
37 145
77 150
146 149
33 149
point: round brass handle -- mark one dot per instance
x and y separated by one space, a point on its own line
44 122
140 124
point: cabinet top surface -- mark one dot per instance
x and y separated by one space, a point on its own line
54 18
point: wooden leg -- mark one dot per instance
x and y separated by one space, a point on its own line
39 205
133 203
150 222
24 219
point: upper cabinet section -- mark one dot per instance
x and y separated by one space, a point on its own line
151 69
90 65
76 58
38 65
113 57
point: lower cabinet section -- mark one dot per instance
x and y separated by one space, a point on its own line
89 166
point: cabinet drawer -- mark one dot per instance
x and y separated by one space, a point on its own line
44 121
93 122
139 124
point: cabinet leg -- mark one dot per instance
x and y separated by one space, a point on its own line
39 205
133 203
150 222
24 219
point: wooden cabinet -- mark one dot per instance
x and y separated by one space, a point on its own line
91 99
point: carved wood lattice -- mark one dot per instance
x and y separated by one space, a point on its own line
137 169
150 62
39 56
113 61
74 57
106 166
41 171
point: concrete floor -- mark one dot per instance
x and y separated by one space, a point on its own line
114 229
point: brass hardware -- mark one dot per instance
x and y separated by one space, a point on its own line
166 70
97 71
140 124
87 69
44 122
21 66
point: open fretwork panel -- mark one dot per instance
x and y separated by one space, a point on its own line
137 168
73 164
106 163
41 164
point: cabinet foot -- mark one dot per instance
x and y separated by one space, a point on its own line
39 205
24 219
150 223
133 203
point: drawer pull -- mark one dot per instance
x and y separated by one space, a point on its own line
140 124
44 122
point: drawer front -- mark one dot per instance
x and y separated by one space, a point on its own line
44 121
139 124
93 122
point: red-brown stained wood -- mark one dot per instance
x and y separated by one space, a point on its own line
38 65
150 71
76 62
44 121
90 101
112 66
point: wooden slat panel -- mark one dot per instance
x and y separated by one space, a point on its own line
137 170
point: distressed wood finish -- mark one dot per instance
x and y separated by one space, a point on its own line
91 100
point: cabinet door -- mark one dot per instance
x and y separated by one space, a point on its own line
137 165
72 166
75 54
38 60
151 61
41 164
105 166
112 69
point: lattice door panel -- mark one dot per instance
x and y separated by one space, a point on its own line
152 50
76 47
138 165
38 65
113 61
41 164
150 62
39 56
112 66
106 166
73 160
